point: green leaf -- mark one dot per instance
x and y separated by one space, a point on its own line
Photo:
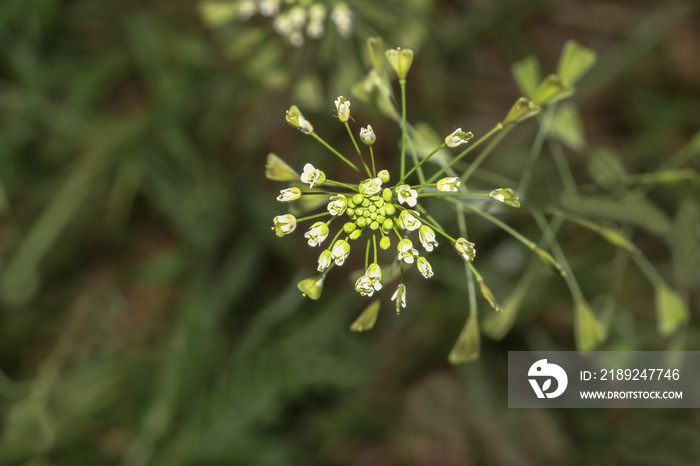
527 75
574 62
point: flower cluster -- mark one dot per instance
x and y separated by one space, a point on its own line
386 214
293 19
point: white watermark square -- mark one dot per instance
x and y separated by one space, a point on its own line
604 379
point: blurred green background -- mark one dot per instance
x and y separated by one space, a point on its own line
148 315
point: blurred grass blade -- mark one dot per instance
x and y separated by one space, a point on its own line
684 240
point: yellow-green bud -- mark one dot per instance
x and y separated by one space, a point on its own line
384 176
358 198
349 227
385 242
387 225
374 225
355 234
390 210
361 222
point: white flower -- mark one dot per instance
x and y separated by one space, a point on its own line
408 221
269 7
337 205
367 135
457 138
312 176
426 235
465 249
284 224
406 251
400 297
370 187
342 17
324 261
246 9
314 28
424 267
289 194
370 282
340 251
448 185
317 234
343 106
407 195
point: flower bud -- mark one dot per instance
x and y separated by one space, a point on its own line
367 136
317 234
289 194
448 185
342 105
355 234
465 249
385 242
385 177
284 224
370 187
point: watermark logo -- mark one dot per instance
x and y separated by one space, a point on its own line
542 370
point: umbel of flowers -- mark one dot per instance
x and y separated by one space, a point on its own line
382 217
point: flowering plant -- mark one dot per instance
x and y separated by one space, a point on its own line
389 213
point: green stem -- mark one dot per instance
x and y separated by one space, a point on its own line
567 177
471 147
453 194
559 255
421 163
318 138
397 233
485 153
536 150
492 219
323 214
338 183
367 254
357 148
459 211
374 241
402 82
374 168
649 270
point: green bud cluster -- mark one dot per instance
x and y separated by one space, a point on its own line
373 212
